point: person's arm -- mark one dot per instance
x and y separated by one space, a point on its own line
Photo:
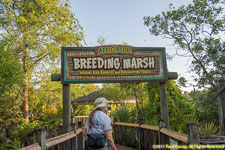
110 139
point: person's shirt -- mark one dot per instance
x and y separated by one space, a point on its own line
102 122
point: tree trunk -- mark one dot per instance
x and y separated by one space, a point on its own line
220 113
222 105
136 118
25 90
137 110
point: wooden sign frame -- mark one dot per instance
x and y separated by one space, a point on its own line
113 64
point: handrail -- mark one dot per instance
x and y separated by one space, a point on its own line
80 120
78 131
126 124
34 146
80 116
55 140
59 139
176 135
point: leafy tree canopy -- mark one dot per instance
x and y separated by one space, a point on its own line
34 31
42 26
10 71
198 31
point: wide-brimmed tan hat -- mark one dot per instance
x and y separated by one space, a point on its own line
100 102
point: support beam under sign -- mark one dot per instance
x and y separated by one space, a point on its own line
171 76
164 104
66 108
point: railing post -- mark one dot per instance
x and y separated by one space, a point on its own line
73 140
154 138
79 124
139 134
114 130
35 136
120 134
41 138
80 141
126 137
133 137
193 134
73 127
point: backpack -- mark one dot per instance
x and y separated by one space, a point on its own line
96 140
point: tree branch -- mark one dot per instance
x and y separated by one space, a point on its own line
39 59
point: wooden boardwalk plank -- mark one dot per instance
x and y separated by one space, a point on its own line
122 147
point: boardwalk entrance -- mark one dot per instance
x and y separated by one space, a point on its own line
113 64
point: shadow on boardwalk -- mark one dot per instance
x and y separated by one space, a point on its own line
121 147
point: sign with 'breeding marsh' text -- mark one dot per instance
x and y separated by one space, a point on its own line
113 63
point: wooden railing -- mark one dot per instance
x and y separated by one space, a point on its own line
138 136
146 137
80 120
69 141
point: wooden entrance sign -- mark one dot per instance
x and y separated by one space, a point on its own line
113 63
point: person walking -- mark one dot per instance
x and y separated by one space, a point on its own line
98 127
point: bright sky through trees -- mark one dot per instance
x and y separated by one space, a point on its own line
122 20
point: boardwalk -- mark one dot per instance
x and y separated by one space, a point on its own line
121 147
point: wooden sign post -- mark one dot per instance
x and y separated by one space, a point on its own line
66 108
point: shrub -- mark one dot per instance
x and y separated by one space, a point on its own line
122 114
208 129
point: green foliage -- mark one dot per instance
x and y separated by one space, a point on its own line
178 106
182 126
122 114
46 105
10 114
10 71
115 92
199 100
152 121
79 91
195 30
24 128
35 26
208 129
34 32
14 145
101 40
182 82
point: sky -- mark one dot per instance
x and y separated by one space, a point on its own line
122 20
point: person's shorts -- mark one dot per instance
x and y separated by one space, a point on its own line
104 148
